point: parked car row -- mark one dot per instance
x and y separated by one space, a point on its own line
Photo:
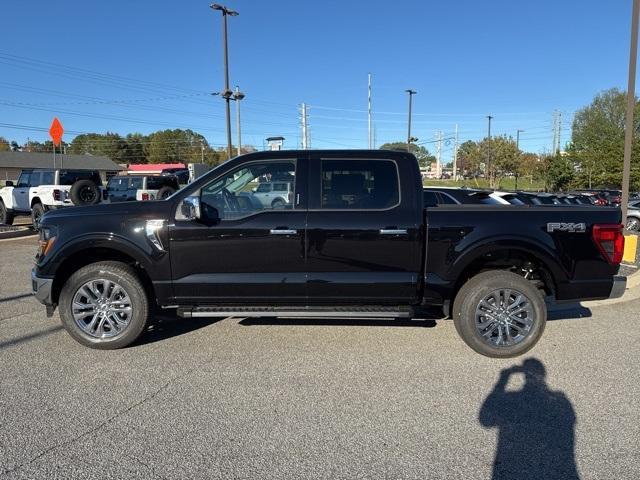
434 196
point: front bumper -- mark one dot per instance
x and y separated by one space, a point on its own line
619 286
41 288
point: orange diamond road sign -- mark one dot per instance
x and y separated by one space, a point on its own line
56 131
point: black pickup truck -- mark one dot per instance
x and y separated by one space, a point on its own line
352 239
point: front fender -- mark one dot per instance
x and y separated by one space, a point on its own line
144 254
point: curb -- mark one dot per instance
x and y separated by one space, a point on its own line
12 233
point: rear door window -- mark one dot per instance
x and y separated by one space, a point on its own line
359 184
35 179
48 178
136 183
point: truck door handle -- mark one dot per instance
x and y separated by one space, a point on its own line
393 231
282 231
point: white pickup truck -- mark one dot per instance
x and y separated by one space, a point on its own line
39 190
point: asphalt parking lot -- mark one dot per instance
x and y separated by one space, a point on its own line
324 399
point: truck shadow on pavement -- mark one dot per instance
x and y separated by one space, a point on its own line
536 427
567 311
166 325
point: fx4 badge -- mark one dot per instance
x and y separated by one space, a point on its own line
566 227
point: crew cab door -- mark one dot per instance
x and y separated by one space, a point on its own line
364 230
241 250
21 192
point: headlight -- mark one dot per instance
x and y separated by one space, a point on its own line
46 241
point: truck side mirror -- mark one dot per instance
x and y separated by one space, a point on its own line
8 183
190 208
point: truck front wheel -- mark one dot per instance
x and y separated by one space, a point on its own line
499 314
104 305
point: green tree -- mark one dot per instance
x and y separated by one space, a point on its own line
425 159
179 146
559 172
530 167
470 161
503 153
597 141
4 145
109 144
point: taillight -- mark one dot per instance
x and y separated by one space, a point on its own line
145 196
610 241
56 195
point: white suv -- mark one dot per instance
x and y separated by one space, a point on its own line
39 190
274 194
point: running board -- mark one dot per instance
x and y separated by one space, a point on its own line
297 312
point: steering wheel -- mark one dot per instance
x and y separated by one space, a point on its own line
230 200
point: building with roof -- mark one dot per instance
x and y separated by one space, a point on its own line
151 168
11 163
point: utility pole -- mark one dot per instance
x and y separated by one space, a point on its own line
369 115
559 131
226 94
518 132
455 155
488 174
631 102
237 96
438 153
409 137
201 151
554 149
305 135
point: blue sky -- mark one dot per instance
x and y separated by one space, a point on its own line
515 60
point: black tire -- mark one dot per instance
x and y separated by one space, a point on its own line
84 192
477 289
278 204
165 192
633 224
6 218
122 275
37 211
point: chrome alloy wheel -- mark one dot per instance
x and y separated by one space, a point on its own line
102 308
504 317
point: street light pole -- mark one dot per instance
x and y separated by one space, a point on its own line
631 101
237 96
409 139
226 94
489 118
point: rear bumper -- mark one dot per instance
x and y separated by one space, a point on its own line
619 286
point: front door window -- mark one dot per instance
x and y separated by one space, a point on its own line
249 190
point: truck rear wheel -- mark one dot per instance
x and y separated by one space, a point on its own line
6 218
499 314
104 305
